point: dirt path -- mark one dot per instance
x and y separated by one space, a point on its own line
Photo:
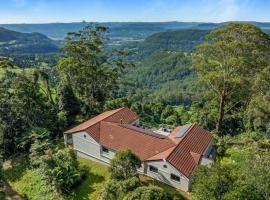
12 193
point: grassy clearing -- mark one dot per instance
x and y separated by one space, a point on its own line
92 187
29 182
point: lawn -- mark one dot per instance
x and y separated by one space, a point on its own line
91 187
98 174
29 183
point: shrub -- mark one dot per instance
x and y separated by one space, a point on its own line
61 169
149 193
124 165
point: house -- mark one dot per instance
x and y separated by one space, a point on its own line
168 156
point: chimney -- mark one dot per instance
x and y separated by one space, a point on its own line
121 121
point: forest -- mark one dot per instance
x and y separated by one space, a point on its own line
218 78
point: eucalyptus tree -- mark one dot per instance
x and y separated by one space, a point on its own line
228 62
92 71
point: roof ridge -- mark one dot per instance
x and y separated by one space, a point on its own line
116 111
193 125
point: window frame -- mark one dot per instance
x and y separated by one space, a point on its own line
153 167
175 178
105 150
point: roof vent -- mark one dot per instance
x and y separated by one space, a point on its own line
182 131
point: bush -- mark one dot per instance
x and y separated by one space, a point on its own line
61 169
124 165
149 193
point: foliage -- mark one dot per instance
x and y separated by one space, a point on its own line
256 172
217 183
92 72
149 193
164 77
5 63
23 106
124 165
61 169
240 173
258 113
227 63
67 102
40 144
119 189
27 181
1 173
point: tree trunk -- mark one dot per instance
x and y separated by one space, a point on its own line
221 113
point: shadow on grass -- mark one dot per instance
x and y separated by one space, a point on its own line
15 167
90 184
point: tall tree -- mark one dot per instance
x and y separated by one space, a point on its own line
227 63
92 72
22 106
258 112
67 101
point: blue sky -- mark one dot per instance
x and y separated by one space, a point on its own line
42 11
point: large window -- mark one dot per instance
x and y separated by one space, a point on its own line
175 177
153 169
105 150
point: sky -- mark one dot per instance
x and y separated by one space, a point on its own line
46 11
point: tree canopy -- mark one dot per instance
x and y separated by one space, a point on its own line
228 62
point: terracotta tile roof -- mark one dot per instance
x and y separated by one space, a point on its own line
114 129
122 114
186 155
126 116
117 137
162 155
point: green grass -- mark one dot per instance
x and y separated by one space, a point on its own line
92 186
29 182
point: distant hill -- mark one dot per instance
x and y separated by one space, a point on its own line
12 42
119 32
179 40
162 77
117 29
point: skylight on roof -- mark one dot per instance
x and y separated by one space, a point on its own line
182 131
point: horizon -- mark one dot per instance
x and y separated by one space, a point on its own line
77 22
102 11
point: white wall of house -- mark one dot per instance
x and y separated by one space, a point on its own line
87 147
164 174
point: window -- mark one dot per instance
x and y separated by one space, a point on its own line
153 169
175 178
165 166
105 150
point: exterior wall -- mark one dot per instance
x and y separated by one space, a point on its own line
164 174
208 156
208 150
87 147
